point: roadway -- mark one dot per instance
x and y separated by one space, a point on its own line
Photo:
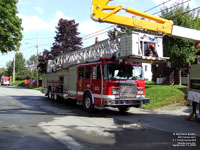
29 121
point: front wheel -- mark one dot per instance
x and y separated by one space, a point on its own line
88 104
196 110
123 108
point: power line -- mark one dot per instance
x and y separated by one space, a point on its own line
171 7
98 31
185 12
157 6
30 52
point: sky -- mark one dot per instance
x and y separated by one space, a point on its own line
40 18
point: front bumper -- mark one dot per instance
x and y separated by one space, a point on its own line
128 102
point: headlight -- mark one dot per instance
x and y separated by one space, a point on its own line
115 91
140 92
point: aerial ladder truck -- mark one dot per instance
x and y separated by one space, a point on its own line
102 12
109 73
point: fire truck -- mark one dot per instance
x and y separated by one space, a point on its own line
109 73
5 80
106 74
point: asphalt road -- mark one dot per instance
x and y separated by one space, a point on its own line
29 121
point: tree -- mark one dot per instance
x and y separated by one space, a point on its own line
43 61
10 26
9 66
181 52
66 37
27 74
19 62
32 60
2 71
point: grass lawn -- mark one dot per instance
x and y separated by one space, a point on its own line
161 95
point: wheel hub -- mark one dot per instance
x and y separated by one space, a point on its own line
87 102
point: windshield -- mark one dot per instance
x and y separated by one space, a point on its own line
117 71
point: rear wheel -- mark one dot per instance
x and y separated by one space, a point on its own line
196 110
88 104
123 108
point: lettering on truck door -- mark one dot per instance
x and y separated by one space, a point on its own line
88 74
96 84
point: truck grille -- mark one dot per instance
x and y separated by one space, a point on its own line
128 90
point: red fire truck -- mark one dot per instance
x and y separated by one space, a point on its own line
99 84
108 73
5 80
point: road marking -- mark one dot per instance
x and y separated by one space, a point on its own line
58 129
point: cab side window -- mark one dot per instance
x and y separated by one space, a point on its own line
88 71
96 73
81 73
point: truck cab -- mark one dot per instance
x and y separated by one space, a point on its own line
108 83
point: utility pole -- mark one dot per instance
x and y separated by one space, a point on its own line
14 69
37 60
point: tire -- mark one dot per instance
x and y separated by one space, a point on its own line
123 108
50 96
196 110
87 103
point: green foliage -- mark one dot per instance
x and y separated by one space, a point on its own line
32 60
19 83
9 67
181 51
19 62
10 26
19 65
2 71
27 74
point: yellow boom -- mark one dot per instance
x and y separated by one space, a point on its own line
99 13
102 12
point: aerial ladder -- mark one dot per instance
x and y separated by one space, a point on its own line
102 12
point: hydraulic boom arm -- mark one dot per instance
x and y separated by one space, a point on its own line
102 12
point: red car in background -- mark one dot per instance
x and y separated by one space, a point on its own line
33 82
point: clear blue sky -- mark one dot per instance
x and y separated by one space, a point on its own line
40 17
